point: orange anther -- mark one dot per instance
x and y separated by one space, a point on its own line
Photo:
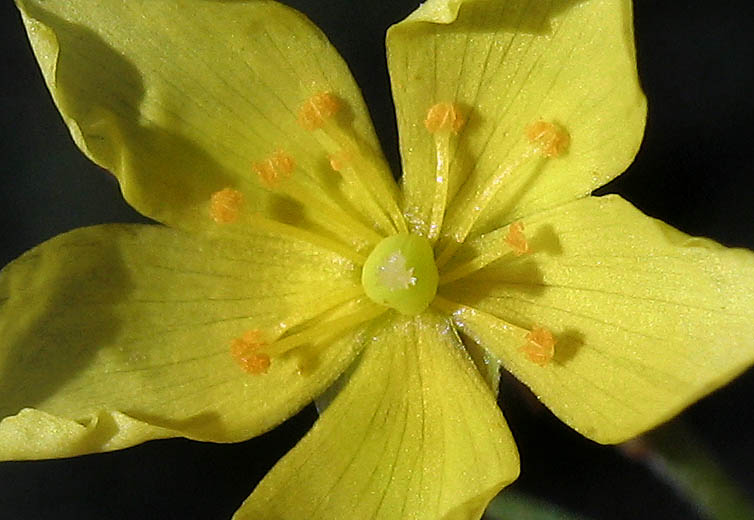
516 238
253 337
317 110
540 346
254 364
245 352
225 205
275 168
444 117
551 139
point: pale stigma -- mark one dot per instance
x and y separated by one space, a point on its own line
395 274
400 273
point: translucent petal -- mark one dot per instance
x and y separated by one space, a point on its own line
646 319
413 433
180 100
507 65
116 328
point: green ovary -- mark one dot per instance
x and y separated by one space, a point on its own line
401 273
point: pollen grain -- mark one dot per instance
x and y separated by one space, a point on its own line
275 168
317 110
225 205
245 352
444 117
540 346
550 139
516 239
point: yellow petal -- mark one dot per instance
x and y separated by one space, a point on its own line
646 319
486 363
414 433
507 66
33 434
181 100
133 325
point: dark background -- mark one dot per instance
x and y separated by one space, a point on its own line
694 171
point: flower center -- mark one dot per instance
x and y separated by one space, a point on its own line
400 273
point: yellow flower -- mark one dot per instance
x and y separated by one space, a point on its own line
293 267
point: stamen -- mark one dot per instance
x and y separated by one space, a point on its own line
443 119
543 139
540 346
551 139
317 110
325 329
347 314
279 166
275 168
279 228
225 205
245 352
254 355
493 248
516 238
465 218
352 167
354 160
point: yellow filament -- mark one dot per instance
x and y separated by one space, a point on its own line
443 119
320 113
494 249
446 306
225 208
539 346
254 354
465 220
275 173
343 162
542 140
307 354
336 217
325 329
440 201
339 161
362 171
461 313
278 228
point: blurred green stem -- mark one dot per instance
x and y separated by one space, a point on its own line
510 505
679 458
